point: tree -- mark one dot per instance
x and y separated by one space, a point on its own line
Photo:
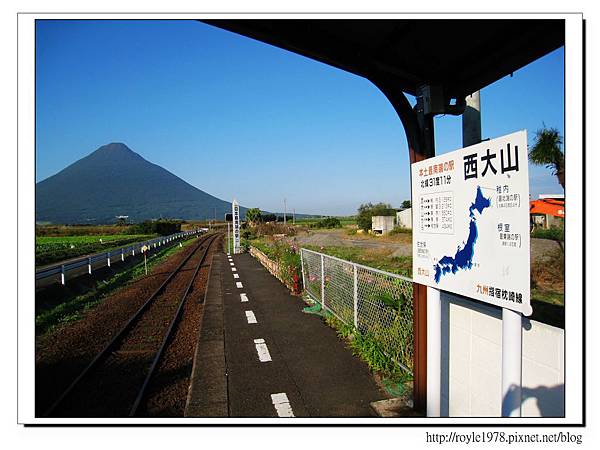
253 215
367 210
547 150
406 204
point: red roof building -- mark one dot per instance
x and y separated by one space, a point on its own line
547 212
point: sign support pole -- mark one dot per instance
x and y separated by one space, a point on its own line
434 352
511 362
228 239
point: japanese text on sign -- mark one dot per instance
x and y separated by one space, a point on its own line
471 222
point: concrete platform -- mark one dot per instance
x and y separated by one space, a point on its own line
302 357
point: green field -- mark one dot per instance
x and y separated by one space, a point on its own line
49 249
344 220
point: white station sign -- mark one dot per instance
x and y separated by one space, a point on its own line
235 209
471 222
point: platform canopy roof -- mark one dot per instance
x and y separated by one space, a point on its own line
460 55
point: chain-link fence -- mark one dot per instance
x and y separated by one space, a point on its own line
378 304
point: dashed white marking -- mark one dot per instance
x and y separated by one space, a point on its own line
244 297
231 264
233 269
250 317
262 350
235 275
282 405
239 284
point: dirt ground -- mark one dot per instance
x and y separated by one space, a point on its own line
541 249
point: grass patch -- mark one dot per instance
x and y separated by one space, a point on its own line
401 230
548 307
343 220
379 258
75 306
367 348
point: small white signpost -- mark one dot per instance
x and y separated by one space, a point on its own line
144 250
235 209
471 234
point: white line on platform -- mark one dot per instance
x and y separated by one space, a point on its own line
244 297
235 275
233 269
250 317
282 405
239 284
262 350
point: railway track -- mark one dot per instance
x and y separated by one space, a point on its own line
115 382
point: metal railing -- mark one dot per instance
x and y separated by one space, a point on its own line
103 259
378 304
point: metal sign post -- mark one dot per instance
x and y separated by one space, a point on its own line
144 251
228 218
235 209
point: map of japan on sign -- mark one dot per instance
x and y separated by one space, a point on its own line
471 222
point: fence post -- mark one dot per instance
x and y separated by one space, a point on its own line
90 265
302 267
322 282
108 258
62 274
355 296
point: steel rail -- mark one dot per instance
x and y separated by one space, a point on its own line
121 333
169 332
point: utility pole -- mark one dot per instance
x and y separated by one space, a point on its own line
294 217
284 211
511 320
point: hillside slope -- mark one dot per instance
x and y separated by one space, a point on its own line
115 181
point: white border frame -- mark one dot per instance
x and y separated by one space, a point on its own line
574 238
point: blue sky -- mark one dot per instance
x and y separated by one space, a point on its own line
239 118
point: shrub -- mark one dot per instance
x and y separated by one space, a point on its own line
253 215
328 222
162 227
271 228
401 230
554 233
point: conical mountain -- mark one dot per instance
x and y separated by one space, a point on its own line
114 181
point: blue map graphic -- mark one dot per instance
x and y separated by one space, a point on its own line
463 259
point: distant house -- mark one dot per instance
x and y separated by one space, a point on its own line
382 224
404 218
548 211
122 220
